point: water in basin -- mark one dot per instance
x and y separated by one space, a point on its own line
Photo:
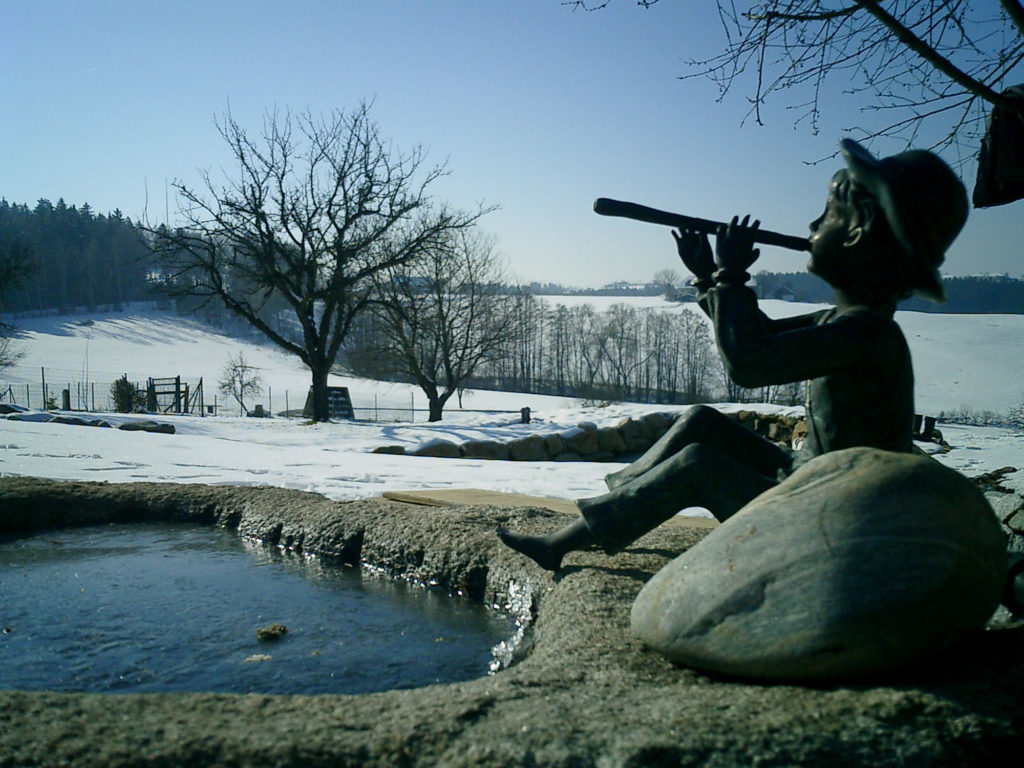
175 607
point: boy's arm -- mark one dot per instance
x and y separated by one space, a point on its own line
794 323
756 353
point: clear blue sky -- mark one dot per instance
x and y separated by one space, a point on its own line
537 109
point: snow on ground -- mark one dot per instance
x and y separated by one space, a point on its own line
335 459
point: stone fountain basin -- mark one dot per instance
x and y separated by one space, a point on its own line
589 693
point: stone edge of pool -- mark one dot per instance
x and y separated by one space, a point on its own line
588 693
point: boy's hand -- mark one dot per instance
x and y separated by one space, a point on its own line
695 252
734 245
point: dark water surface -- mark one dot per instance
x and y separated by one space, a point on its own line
173 607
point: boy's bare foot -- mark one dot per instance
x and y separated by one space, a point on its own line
534 547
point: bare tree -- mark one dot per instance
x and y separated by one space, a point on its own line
442 314
15 267
10 352
240 380
918 61
317 207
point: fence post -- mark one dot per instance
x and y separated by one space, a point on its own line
28 397
270 400
43 372
286 403
412 407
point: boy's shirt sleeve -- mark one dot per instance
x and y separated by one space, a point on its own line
758 351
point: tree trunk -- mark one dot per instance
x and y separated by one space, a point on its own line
436 407
320 408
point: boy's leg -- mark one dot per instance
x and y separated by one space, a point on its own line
695 476
709 427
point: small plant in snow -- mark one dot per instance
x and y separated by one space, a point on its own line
126 397
240 380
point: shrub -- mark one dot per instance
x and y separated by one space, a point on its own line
126 397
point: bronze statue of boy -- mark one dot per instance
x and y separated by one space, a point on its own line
886 227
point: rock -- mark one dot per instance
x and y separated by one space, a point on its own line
485 449
393 450
658 423
441 449
609 440
38 417
568 456
580 441
530 448
73 421
554 444
271 633
862 562
777 432
639 445
147 426
629 429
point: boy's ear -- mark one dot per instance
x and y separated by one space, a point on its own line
861 223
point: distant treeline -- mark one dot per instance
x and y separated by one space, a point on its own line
79 258
983 294
623 353
652 288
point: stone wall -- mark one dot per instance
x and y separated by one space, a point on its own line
588 442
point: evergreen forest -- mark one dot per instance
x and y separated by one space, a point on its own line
78 258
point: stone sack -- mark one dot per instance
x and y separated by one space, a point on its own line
861 563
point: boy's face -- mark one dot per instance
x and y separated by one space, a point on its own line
830 233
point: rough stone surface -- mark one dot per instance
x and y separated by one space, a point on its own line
859 563
440 449
639 445
658 424
147 426
394 450
485 449
629 429
530 448
620 443
589 693
554 444
610 440
580 440
568 456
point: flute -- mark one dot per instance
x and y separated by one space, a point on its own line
607 207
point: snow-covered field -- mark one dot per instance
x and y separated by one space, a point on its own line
972 361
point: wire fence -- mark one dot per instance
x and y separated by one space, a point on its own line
66 390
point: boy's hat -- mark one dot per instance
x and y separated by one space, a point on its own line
923 201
